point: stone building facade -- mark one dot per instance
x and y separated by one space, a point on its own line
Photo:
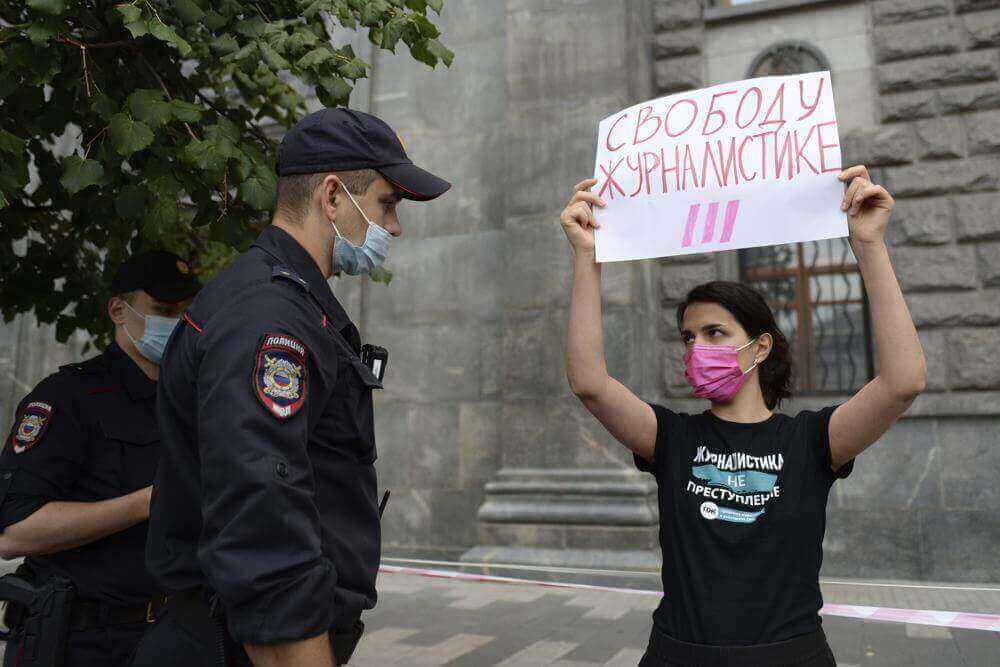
488 454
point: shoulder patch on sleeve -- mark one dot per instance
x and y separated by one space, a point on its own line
31 426
280 375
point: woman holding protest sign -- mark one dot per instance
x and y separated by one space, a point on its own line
742 489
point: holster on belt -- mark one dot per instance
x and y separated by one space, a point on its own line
37 617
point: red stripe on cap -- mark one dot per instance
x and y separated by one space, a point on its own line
417 195
191 322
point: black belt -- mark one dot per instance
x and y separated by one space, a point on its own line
89 614
791 651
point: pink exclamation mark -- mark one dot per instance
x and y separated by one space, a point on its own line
689 226
732 208
713 211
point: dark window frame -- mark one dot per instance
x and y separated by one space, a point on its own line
803 304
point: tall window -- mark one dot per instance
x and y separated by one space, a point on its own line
814 288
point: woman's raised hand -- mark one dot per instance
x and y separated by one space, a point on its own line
868 206
578 217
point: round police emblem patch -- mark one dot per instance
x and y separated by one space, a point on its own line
31 426
279 377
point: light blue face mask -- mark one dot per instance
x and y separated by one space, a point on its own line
356 260
154 340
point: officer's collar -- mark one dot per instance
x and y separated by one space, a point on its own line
282 246
122 368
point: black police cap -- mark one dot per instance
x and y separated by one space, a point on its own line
338 139
161 274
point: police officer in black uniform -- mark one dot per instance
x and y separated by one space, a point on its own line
76 469
264 527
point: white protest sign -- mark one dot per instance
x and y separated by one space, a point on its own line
742 164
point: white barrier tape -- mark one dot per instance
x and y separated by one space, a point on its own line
656 574
946 619
531 568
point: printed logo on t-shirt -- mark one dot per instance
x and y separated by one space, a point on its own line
735 478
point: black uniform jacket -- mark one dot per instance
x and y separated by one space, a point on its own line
266 491
85 434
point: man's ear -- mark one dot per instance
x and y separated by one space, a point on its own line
116 310
329 192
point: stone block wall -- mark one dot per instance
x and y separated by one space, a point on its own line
937 148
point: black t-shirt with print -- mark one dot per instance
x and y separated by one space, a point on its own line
742 517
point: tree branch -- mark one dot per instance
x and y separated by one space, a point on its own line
163 86
263 138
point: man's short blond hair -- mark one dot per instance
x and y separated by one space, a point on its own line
295 192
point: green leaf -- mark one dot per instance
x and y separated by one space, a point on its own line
436 5
103 106
425 28
392 31
185 111
40 33
252 27
130 13
223 129
243 167
53 7
271 57
301 39
165 33
129 136
356 69
224 45
65 326
160 215
380 274
258 191
80 174
228 229
204 155
417 5
316 57
245 52
10 143
150 106
188 11
338 90
312 8
137 28
131 202
370 15
214 20
446 55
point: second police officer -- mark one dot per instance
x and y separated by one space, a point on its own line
264 526
75 477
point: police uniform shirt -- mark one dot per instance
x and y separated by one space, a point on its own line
85 434
266 493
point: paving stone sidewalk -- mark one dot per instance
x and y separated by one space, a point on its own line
428 621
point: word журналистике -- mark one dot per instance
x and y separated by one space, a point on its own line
763 148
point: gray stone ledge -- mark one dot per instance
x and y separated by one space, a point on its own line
754 9
636 488
589 558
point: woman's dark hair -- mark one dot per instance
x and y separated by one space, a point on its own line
754 315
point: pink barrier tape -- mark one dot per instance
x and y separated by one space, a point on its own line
945 619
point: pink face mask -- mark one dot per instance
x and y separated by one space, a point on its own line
714 371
